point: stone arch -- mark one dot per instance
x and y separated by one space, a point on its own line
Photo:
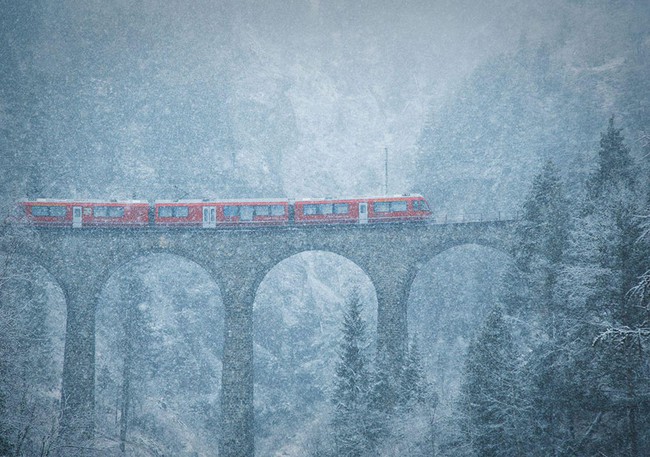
495 243
444 312
184 335
296 335
123 259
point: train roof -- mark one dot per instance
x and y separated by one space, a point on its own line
59 200
225 200
362 197
218 200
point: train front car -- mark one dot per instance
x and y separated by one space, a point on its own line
45 213
362 210
79 214
398 209
419 209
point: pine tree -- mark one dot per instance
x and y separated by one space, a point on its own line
414 389
540 246
615 166
605 261
352 385
382 399
491 396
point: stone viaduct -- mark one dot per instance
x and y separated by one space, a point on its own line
82 260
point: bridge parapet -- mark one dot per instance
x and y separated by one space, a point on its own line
480 216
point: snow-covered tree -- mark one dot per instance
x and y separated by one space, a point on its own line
492 399
352 385
539 247
615 169
605 259
414 388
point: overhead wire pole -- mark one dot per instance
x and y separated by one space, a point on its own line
386 171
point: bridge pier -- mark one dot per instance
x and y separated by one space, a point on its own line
78 385
392 284
238 287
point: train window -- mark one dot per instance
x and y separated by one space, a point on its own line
231 211
115 211
310 210
246 213
277 210
396 207
173 211
40 211
58 211
325 208
381 207
108 211
341 208
52 211
262 210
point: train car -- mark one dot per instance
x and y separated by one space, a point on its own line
180 213
404 208
221 213
361 210
315 211
224 213
77 214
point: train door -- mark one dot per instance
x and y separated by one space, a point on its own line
209 217
363 213
76 216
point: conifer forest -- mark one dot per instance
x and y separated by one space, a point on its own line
532 115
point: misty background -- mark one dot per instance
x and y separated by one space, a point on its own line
296 98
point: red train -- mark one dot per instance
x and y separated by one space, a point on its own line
224 213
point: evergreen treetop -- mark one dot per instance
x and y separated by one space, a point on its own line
413 386
352 376
352 385
545 227
615 166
